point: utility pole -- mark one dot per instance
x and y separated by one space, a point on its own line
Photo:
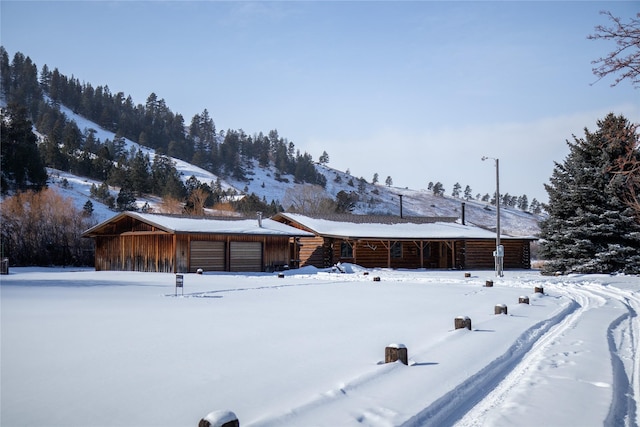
499 252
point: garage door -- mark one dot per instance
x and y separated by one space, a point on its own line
245 256
209 256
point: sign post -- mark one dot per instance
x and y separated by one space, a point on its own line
179 283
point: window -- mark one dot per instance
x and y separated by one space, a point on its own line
396 250
346 250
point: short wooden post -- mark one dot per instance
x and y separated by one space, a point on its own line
500 309
220 419
376 279
523 299
488 283
467 275
538 290
395 352
461 322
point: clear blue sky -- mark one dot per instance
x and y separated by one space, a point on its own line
418 91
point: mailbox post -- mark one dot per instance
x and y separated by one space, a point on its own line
179 283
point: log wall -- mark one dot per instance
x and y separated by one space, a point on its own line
314 251
479 254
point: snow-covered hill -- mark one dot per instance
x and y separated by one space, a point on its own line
379 199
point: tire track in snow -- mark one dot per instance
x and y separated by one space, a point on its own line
621 335
449 408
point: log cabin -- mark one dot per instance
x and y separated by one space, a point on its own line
401 242
132 241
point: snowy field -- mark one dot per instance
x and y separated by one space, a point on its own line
86 348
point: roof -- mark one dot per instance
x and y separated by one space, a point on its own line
213 225
392 228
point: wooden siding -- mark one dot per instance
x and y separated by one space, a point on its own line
479 254
277 252
149 250
135 252
313 251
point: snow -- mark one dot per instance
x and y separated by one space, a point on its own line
81 347
439 230
214 225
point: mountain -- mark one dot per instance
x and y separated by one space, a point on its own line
269 185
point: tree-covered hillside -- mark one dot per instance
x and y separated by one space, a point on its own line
134 148
153 125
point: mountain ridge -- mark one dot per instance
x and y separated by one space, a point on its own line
268 184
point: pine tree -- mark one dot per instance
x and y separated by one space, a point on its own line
324 158
87 209
467 193
456 190
590 229
438 189
21 165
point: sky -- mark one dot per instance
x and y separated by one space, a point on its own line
418 91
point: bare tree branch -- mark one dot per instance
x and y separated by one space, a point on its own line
624 60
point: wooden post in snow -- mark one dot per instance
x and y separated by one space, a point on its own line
220 419
500 309
395 352
461 322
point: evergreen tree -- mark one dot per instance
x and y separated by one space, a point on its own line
21 166
362 185
139 173
87 209
536 207
456 190
324 158
523 202
590 229
388 182
126 200
467 193
438 189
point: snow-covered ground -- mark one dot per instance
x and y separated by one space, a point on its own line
86 348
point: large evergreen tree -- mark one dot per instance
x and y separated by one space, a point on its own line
590 229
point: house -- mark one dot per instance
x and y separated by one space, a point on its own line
132 241
396 242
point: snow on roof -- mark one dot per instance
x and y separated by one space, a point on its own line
406 229
181 224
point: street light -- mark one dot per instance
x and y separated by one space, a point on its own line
499 252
